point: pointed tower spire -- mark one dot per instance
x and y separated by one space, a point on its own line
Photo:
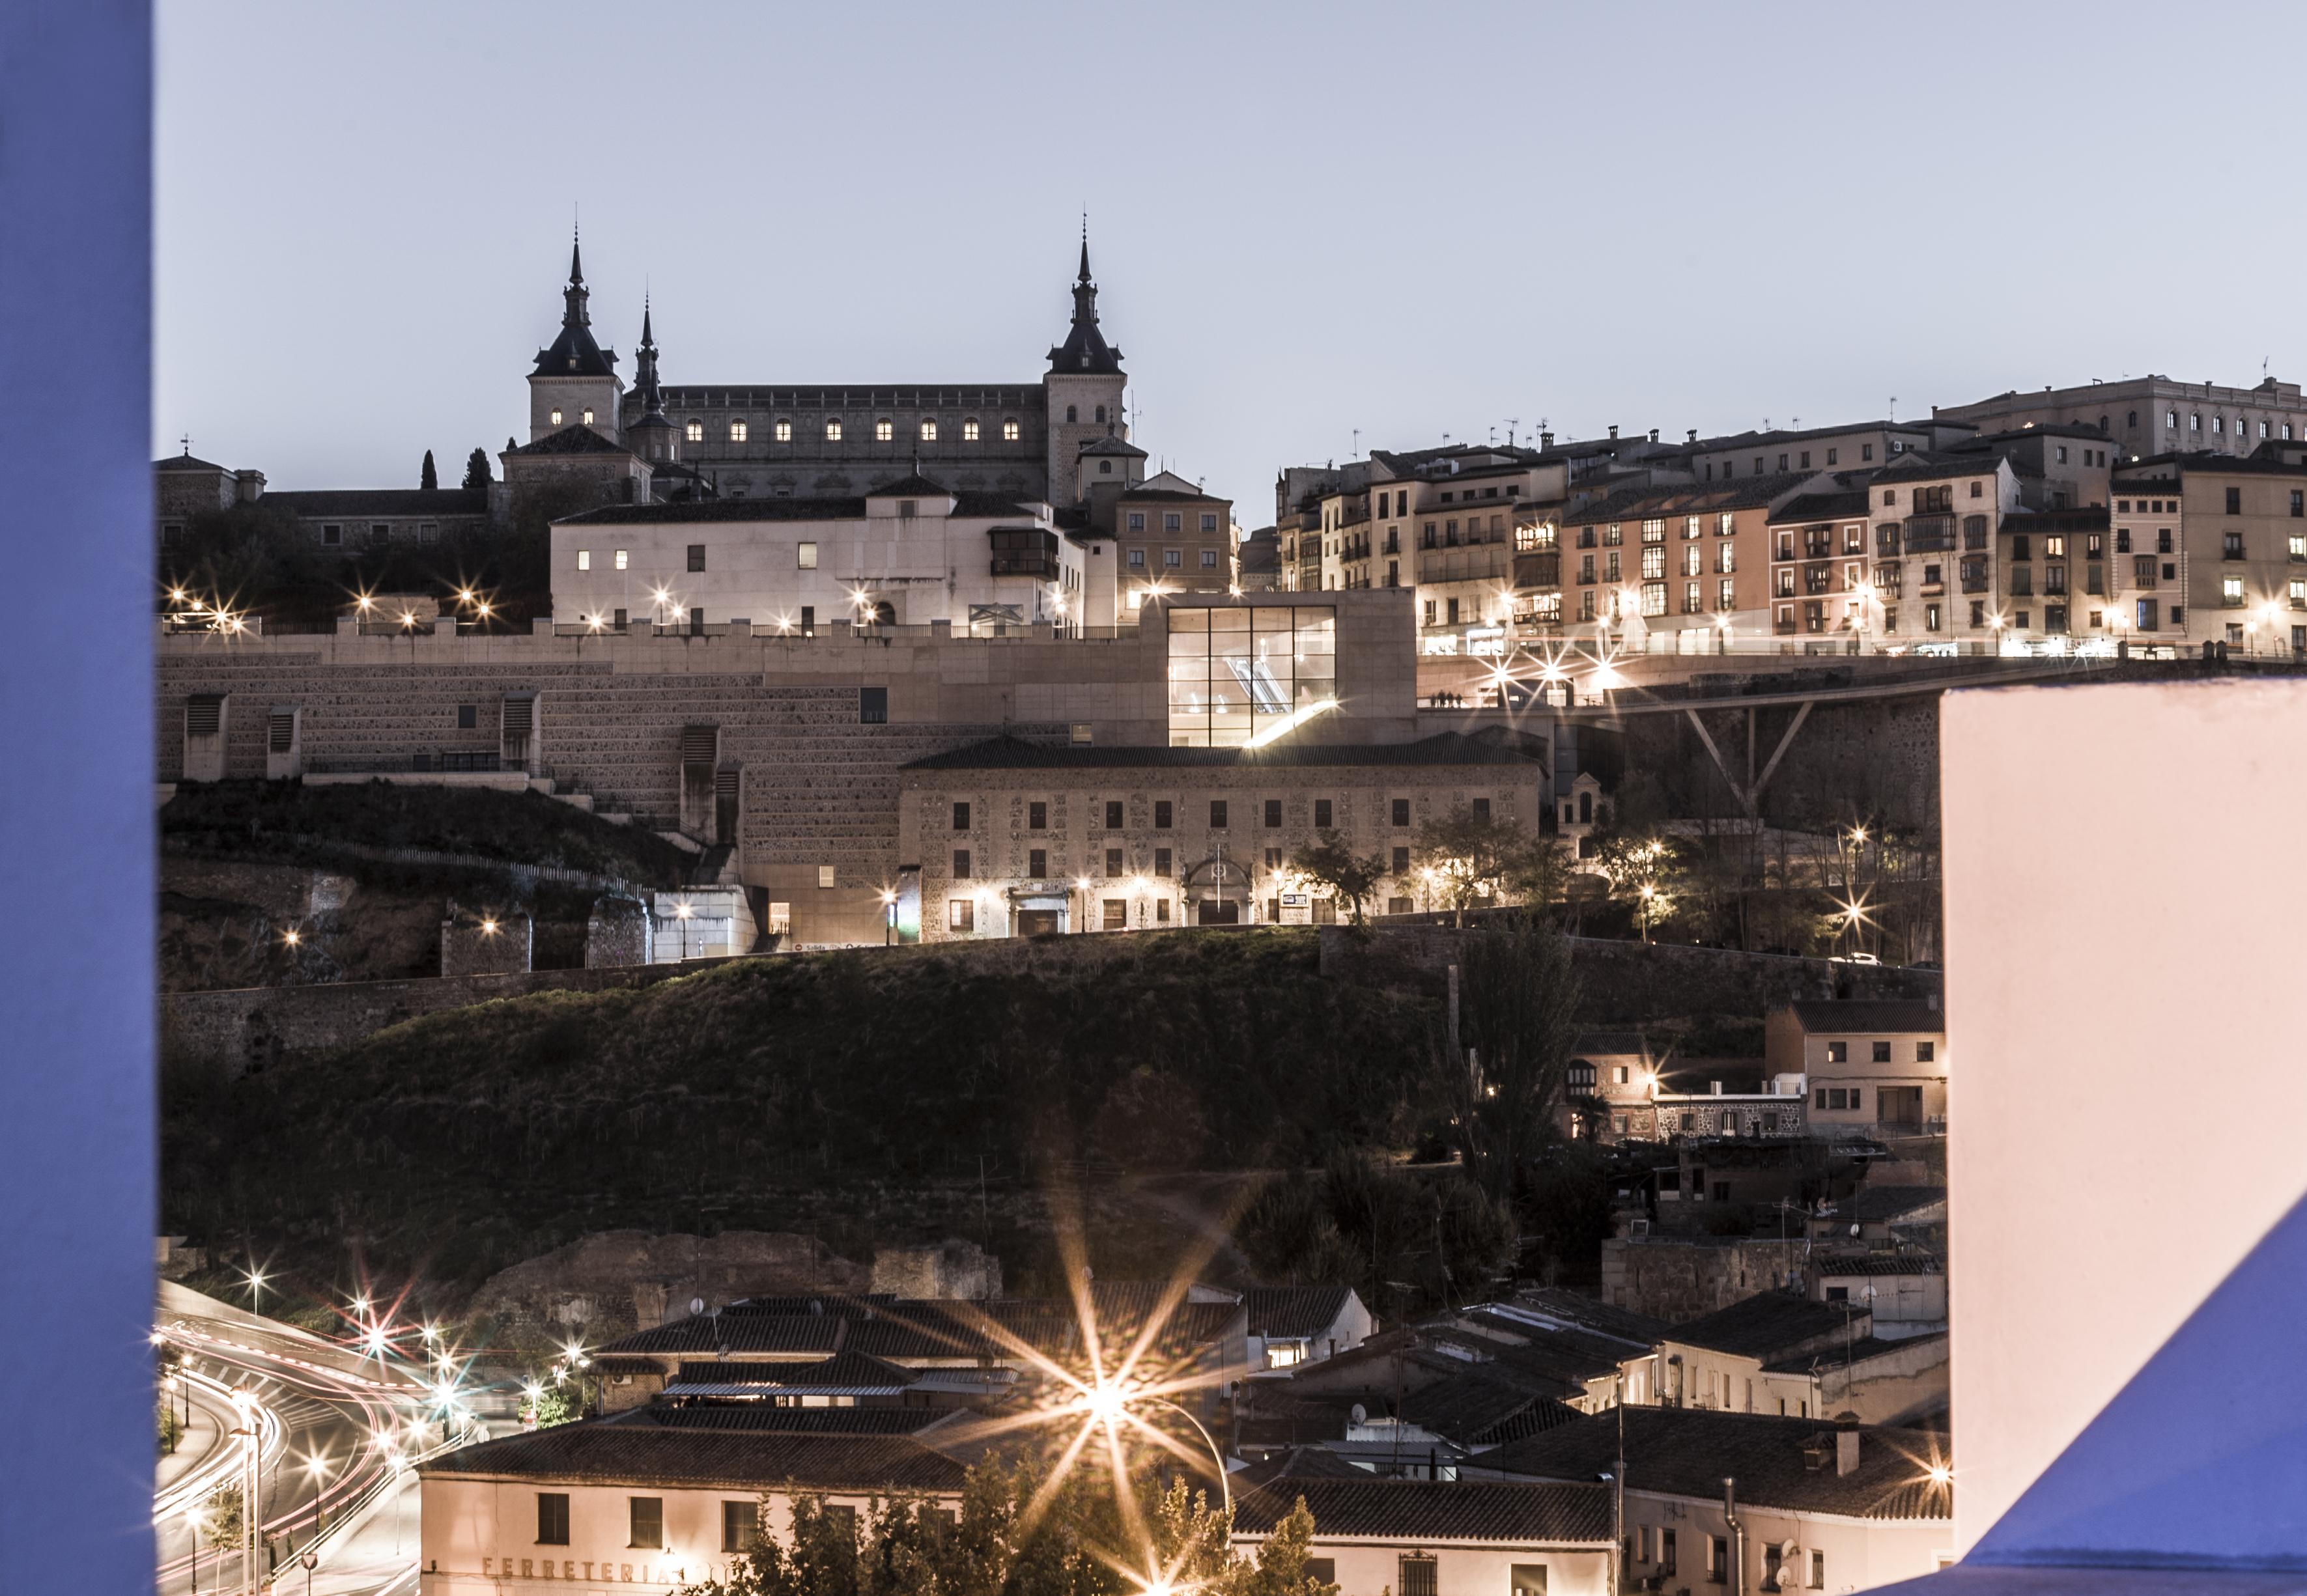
645 378
1084 348
576 259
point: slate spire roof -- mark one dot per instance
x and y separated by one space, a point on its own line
644 382
1086 349
575 353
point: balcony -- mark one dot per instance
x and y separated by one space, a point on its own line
1537 570
1025 551
1975 585
1930 534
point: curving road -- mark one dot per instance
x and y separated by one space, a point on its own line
309 1400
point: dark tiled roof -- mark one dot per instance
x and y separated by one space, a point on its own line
1689 1451
1857 1352
1569 1307
382 502
1872 1203
2090 518
761 1416
914 485
574 354
1821 507
1611 1041
1293 1311
1168 496
1763 1326
1924 466
756 1332
846 1370
2212 463
988 505
187 462
1869 1014
1112 446
1420 1510
1470 1406
572 440
1638 503
1449 747
1738 441
763 395
1877 1263
609 1453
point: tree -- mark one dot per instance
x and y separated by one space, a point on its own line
1401 1238
1329 863
904 1546
1517 1025
477 471
1479 860
428 479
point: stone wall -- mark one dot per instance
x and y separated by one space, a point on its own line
614 1282
1680 1280
501 943
252 1026
1628 982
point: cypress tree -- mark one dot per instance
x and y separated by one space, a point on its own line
476 470
428 479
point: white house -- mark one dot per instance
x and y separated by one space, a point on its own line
909 553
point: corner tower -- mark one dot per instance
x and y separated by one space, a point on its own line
574 383
1083 388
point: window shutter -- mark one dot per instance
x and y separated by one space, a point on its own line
203 714
699 744
280 730
519 716
724 782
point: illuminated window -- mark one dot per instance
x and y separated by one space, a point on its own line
584 559
969 431
737 431
929 431
833 431
695 432
556 418
1009 431
1235 672
782 432
621 559
806 557
588 417
961 914
883 430
825 875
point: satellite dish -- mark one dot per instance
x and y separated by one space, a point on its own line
1361 1413
1854 1230
696 1305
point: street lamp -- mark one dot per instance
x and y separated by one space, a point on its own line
1649 892
317 1468
889 917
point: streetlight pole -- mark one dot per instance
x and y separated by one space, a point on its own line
1225 1484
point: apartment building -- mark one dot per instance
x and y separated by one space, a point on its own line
1674 570
1872 1067
1170 537
2209 548
2143 417
1931 531
1810 1505
1854 445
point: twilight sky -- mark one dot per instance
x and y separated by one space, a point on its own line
1305 219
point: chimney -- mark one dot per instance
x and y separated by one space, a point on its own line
1933 1001
248 486
1614 428
1653 434
1715 1086
1846 1451
1694 435
1546 440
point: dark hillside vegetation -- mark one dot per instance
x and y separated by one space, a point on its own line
291 823
856 1091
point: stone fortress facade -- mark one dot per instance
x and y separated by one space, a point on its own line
829 766
1022 440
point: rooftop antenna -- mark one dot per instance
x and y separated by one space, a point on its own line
1894 408
1358 443
1512 423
